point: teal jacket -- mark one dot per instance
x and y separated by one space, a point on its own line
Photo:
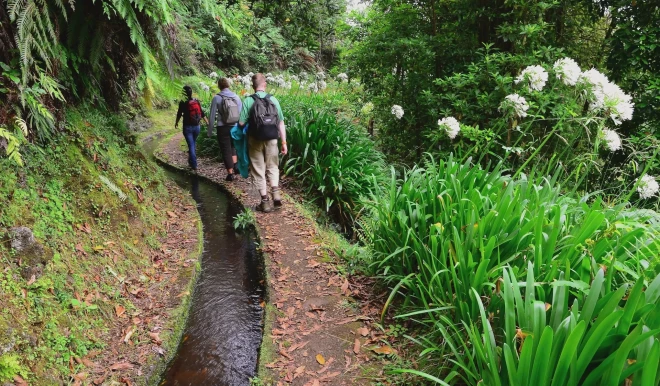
239 138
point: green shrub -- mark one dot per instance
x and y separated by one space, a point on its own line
334 161
446 232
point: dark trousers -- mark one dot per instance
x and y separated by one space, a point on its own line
226 145
191 133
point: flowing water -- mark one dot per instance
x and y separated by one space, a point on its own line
221 341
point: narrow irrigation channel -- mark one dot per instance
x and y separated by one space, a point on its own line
221 341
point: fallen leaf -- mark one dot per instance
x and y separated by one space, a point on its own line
19 381
331 375
356 346
80 376
128 335
121 366
363 331
154 336
344 287
320 359
384 350
32 280
326 367
297 346
119 310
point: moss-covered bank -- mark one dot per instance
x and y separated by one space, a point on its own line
101 295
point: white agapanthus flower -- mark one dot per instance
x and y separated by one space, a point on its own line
247 81
450 125
204 87
516 103
304 75
270 79
213 75
367 108
294 78
567 70
534 76
320 75
313 87
595 82
648 186
322 85
604 95
250 74
269 74
611 139
617 103
397 111
343 77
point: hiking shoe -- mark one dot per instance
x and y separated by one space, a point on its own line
230 177
265 206
277 198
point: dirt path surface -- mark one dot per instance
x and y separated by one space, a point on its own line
319 334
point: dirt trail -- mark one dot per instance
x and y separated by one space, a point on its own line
316 336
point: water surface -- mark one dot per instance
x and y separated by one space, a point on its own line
221 340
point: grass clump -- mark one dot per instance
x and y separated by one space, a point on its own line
453 240
334 161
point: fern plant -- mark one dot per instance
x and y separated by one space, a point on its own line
10 367
12 146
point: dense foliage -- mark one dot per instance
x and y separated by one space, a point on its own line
437 59
518 228
121 53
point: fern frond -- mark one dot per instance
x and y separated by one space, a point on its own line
20 123
113 187
13 146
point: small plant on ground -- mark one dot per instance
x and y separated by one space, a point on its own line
245 220
10 367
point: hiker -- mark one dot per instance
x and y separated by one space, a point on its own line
192 113
225 111
263 114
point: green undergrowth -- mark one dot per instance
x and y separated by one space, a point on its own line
96 206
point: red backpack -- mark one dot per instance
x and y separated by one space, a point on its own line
195 111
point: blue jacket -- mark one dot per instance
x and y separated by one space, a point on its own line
239 138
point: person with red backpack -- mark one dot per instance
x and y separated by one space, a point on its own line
225 111
192 113
263 114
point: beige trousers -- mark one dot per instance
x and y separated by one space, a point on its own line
264 162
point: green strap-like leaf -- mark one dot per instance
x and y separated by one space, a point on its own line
567 354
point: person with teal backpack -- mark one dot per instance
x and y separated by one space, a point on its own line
263 114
